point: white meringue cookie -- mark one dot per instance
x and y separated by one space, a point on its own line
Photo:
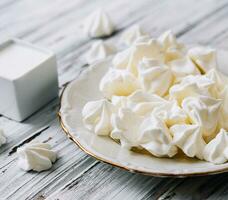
98 24
143 103
172 49
216 151
203 111
119 83
126 127
224 108
142 39
155 138
155 77
189 139
2 137
36 156
97 116
183 67
130 35
220 81
191 86
151 50
99 50
203 57
170 113
121 59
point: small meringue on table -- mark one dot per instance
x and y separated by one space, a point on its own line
98 24
2 137
121 59
189 139
154 76
35 156
216 151
118 82
97 116
99 50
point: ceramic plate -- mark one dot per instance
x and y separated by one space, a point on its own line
84 89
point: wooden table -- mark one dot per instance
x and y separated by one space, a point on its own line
54 24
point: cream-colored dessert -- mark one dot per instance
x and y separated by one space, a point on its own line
162 97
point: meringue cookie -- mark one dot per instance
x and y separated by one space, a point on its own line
98 24
151 50
191 86
121 59
126 127
224 108
203 57
155 77
170 113
36 156
189 139
203 111
155 138
2 137
183 67
143 103
119 83
172 49
97 116
216 151
130 35
99 50
220 81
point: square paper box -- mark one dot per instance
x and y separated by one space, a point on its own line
28 78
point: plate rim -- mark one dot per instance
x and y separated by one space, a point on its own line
129 169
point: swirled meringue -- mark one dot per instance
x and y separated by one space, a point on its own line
183 67
203 57
36 156
98 24
130 35
220 81
97 116
216 151
119 83
140 102
224 108
189 139
203 111
121 59
172 49
155 138
155 77
136 131
191 86
170 113
2 137
150 50
126 127
99 50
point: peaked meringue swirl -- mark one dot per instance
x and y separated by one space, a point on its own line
98 24
36 156
119 83
189 139
154 76
216 151
97 116
99 50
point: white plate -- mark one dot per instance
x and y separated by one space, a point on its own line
84 89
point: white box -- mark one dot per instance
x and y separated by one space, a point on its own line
28 78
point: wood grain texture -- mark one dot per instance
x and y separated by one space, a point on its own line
55 25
